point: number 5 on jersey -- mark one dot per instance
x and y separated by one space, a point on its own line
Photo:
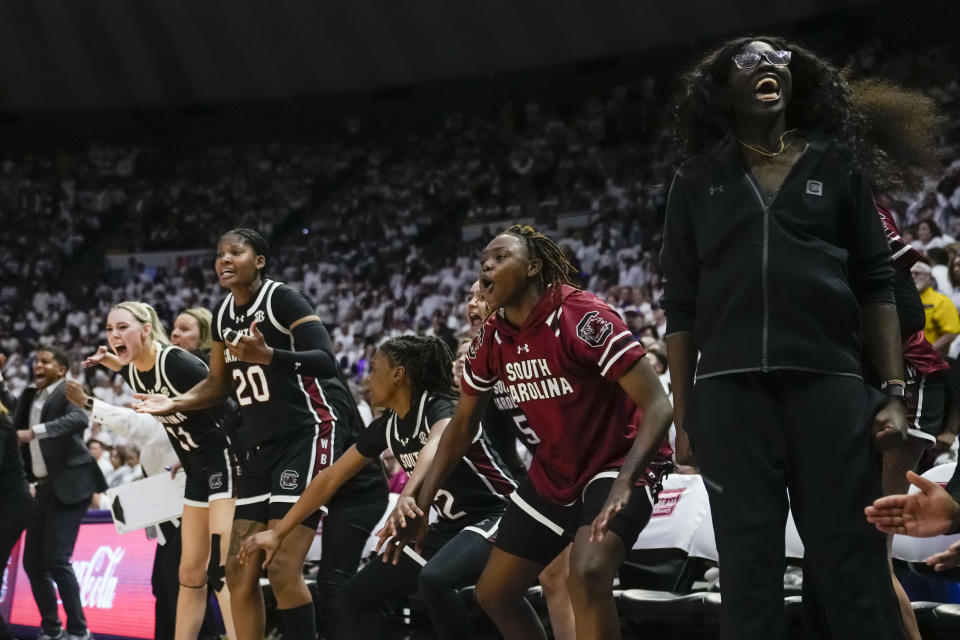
529 434
254 381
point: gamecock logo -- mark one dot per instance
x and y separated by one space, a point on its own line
289 479
593 329
475 344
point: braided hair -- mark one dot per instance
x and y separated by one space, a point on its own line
427 360
255 241
555 268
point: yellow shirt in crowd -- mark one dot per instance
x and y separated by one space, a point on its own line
942 316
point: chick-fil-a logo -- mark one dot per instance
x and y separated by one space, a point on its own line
98 584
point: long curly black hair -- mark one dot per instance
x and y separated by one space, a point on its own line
822 100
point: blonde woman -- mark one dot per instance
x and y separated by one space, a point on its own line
191 331
140 350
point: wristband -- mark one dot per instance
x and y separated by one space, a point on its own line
894 389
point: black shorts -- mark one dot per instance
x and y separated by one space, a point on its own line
539 530
275 473
925 404
443 531
211 475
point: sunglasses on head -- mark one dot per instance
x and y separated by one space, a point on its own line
750 59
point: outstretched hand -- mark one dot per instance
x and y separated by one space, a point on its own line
930 512
944 560
405 525
154 403
95 358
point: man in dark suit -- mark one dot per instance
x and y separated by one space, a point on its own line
66 476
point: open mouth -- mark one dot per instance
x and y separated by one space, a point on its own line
486 284
120 350
767 89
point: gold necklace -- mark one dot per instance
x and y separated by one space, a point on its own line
764 152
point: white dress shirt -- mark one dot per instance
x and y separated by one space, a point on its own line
39 466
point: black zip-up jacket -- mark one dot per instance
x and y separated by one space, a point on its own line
776 284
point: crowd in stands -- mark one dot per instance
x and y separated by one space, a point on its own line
369 226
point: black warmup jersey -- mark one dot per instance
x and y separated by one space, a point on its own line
174 373
478 483
274 401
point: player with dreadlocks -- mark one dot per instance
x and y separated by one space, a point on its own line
573 367
412 377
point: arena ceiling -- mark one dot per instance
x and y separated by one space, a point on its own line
108 53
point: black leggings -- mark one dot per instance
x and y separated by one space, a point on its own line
456 560
345 532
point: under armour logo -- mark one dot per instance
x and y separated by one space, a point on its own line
523 348
404 441
714 190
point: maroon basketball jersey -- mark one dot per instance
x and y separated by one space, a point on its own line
561 369
917 351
